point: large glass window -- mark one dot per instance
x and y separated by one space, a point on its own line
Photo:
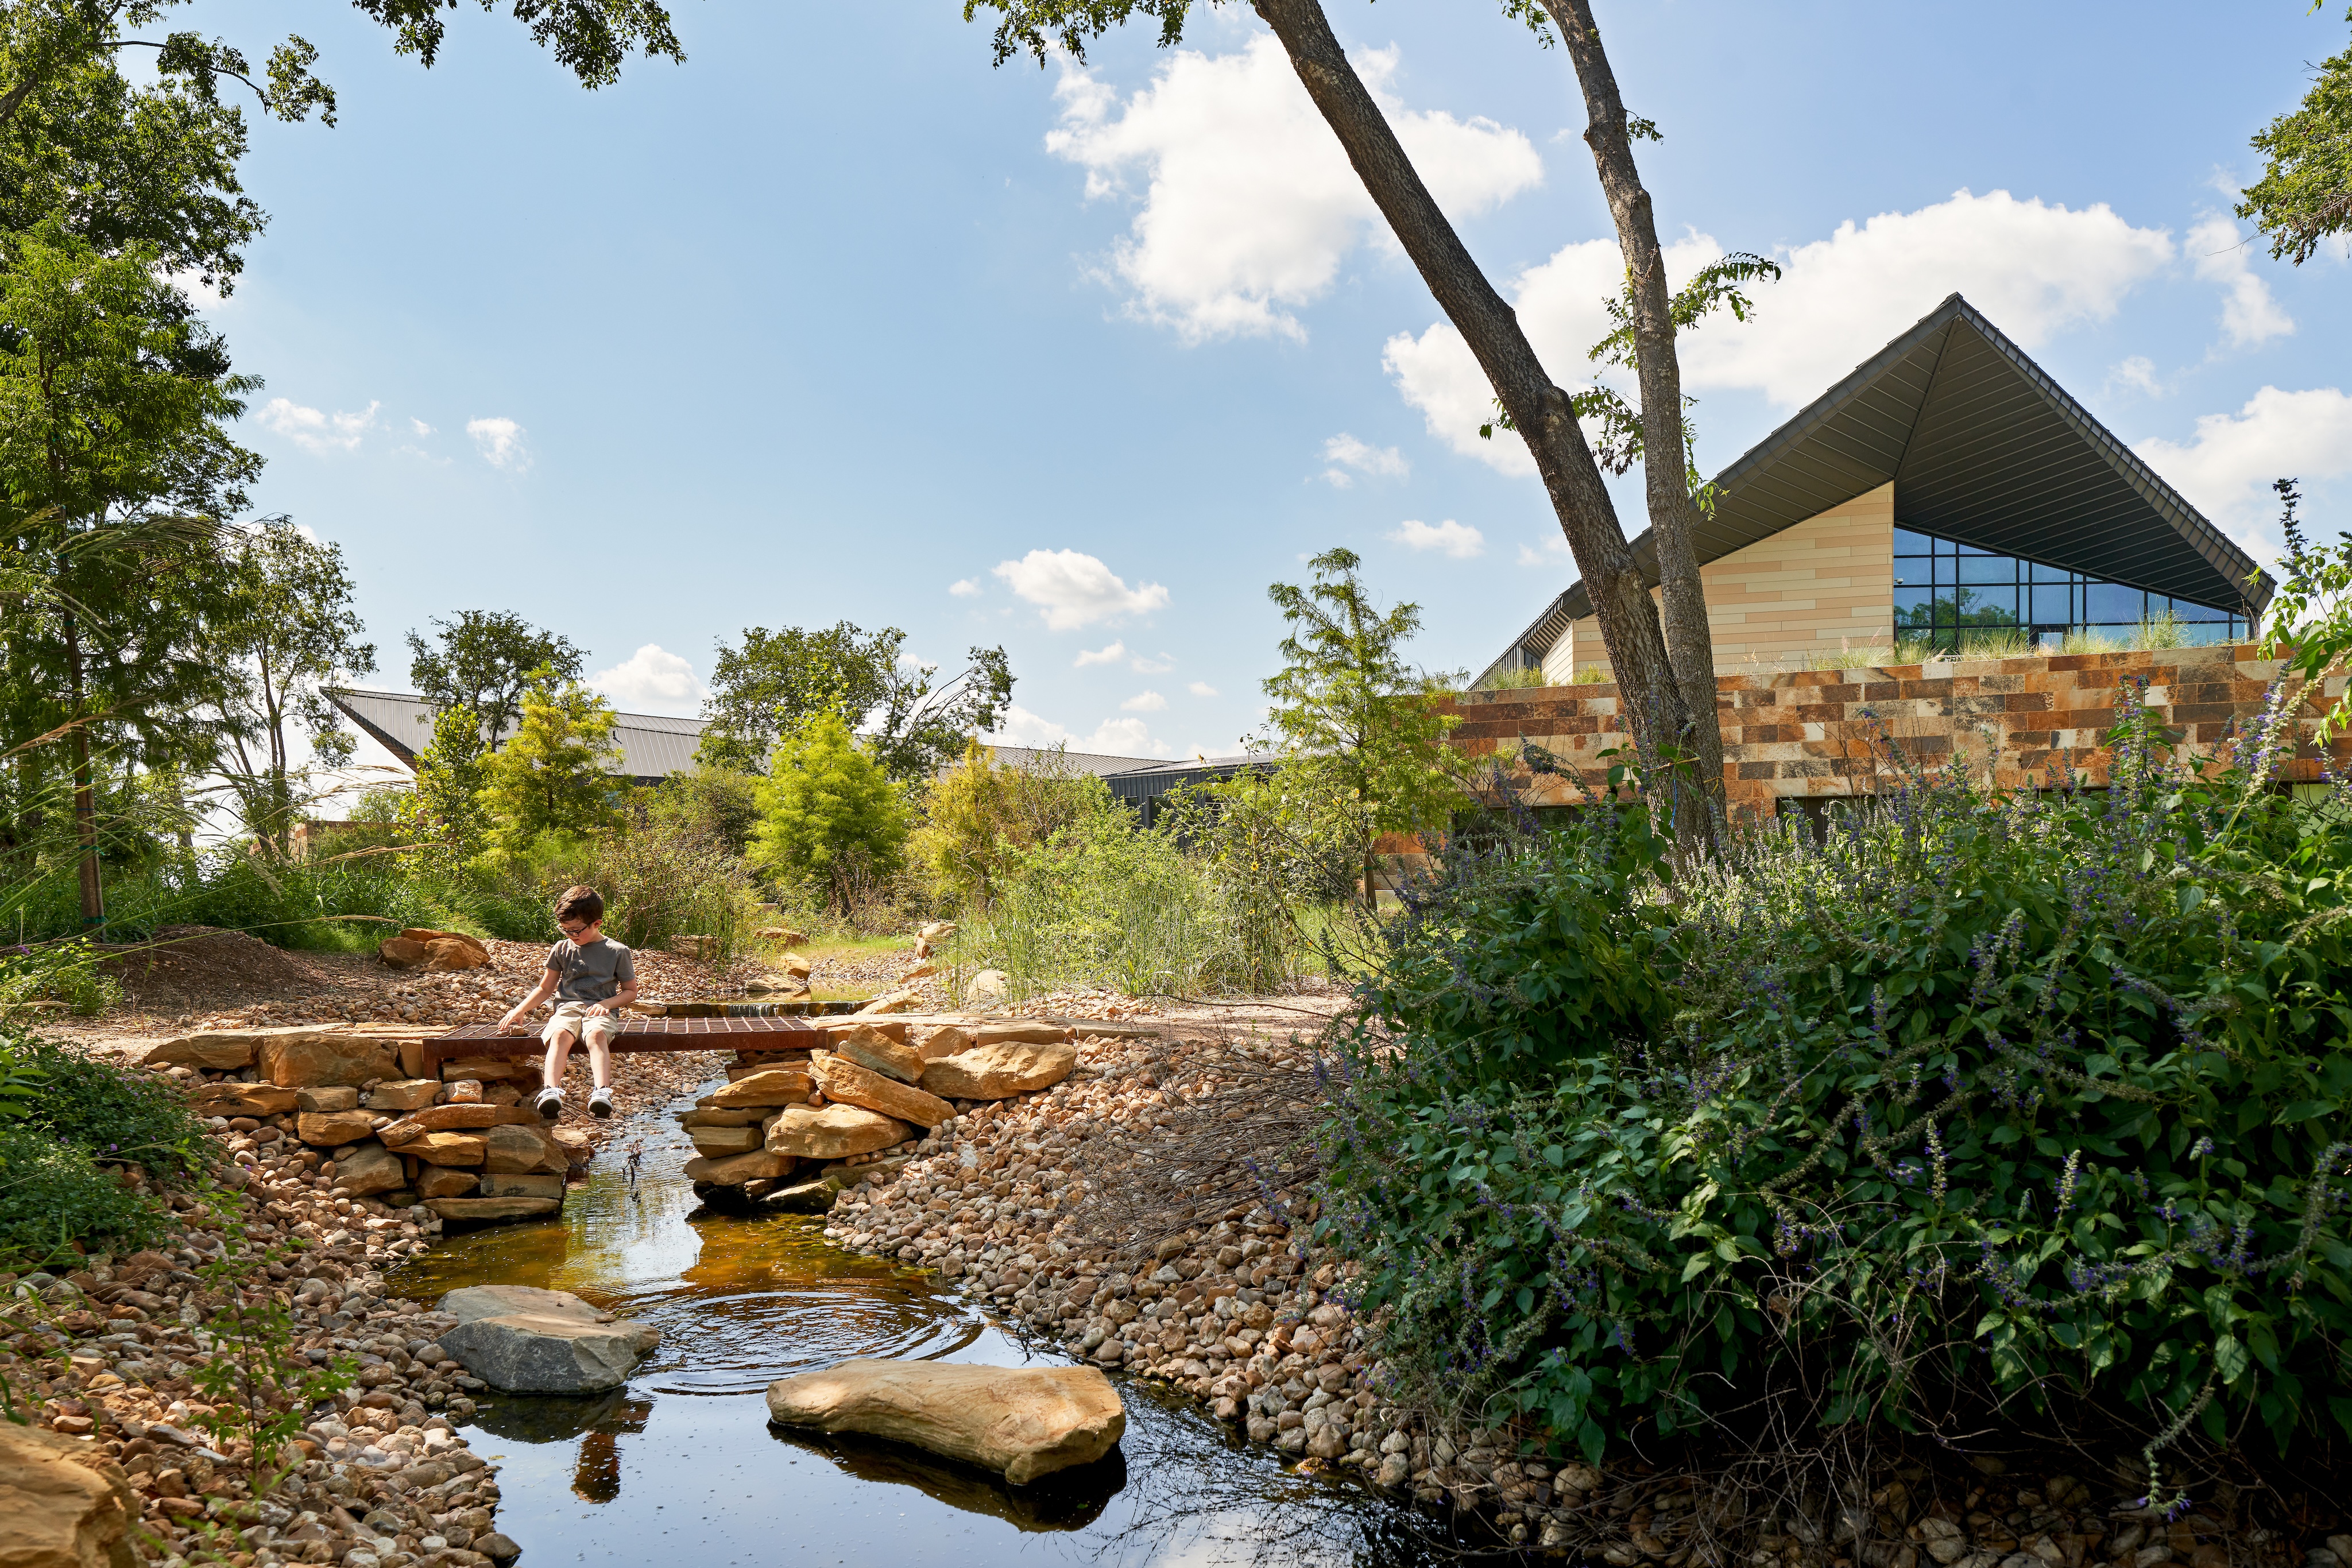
1957 597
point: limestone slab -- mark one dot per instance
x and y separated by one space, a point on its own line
242 1100
328 1097
454 1118
66 1503
852 1085
1000 1072
770 1086
501 1183
438 1181
368 1169
1023 1423
405 1094
734 1170
305 1058
718 1141
328 1128
520 1148
834 1133
493 1208
876 1052
445 1149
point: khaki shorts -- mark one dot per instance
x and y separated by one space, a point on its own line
572 1018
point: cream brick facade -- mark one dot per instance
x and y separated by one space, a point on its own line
1826 583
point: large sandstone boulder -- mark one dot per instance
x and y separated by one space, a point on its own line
836 1132
1000 1072
400 953
328 1097
716 1141
1023 1423
66 1504
452 953
445 1148
734 1170
304 1059
437 1181
519 1340
870 1048
222 1051
513 1148
419 948
406 1094
326 1129
241 1100
371 1168
773 1086
846 1081
533 1185
493 1208
456 1118
944 1041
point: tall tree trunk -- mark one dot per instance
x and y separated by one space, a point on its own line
1654 707
1674 515
85 803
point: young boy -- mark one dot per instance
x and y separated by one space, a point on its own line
592 977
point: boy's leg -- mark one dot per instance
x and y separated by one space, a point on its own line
559 1059
600 1064
560 1031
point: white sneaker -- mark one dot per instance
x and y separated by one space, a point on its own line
600 1103
549 1104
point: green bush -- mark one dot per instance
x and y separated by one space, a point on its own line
118 1115
2027 1098
52 1193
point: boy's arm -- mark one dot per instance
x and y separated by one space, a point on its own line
546 989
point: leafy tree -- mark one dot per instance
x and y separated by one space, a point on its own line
1364 724
1665 706
591 38
487 661
291 632
116 471
2309 620
778 680
980 816
829 812
443 815
717 805
2305 191
554 773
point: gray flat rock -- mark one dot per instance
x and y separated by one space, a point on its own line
521 1340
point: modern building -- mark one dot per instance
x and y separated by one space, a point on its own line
1947 495
652 746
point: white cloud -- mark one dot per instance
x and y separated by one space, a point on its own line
2137 374
2249 314
1552 551
1202 689
1076 590
1144 702
419 426
315 431
1249 205
501 441
1116 737
1459 540
2226 468
965 587
2035 270
1110 654
651 680
1344 452
1146 666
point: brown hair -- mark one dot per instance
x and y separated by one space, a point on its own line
580 903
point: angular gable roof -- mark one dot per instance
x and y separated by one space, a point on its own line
1983 447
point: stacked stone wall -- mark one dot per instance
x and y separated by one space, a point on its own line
1804 734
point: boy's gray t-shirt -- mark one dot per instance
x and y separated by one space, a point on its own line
591 974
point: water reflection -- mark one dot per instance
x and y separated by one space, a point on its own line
670 1467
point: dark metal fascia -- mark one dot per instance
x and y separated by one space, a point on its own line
406 757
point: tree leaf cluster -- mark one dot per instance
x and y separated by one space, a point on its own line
2305 193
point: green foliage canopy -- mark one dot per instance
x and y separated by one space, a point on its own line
486 661
554 773
2306 191
828 813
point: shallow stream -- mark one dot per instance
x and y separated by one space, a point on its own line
682 1468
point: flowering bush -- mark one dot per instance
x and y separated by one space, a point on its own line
1985 1098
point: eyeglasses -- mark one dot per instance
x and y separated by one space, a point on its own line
572 927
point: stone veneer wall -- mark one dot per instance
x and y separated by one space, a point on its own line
1808 733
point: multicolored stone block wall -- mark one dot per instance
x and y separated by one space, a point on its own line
1804 733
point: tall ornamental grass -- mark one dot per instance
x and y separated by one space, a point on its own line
1989 1106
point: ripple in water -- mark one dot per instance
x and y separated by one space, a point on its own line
682 1463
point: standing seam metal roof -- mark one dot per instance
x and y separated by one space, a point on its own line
1983 447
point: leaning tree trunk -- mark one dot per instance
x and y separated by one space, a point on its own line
1674 516
1654 706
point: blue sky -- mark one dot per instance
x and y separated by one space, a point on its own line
837 321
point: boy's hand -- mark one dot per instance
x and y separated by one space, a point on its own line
507 1024
599 1009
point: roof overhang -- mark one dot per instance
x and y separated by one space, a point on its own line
1982 447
